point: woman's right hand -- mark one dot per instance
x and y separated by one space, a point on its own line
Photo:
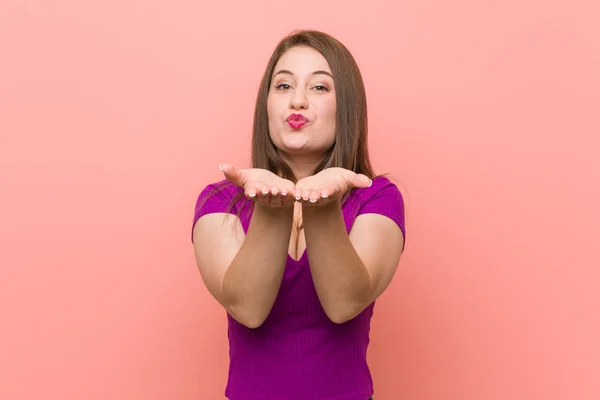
261 185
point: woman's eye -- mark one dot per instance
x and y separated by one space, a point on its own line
286 86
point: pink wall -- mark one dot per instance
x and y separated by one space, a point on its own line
115 114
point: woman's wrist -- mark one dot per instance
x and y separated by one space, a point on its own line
328 208
280 211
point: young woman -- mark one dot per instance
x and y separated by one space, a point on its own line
298 247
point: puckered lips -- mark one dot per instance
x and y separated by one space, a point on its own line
296 121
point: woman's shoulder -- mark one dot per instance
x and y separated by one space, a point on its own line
382 197
381 185
221 196
381 181
223 189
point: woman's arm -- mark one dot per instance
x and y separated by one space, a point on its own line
350 271
244 273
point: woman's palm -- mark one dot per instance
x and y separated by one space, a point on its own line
261 185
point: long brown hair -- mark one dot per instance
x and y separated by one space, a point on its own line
349 150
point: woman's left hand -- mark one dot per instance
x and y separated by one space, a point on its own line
328 185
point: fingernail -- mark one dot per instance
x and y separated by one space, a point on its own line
324 196
252 195
370 184
220 167
265 191
313 201
283 193
298 198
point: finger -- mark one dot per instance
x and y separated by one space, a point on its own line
330 190
298 193
284 191
265 191
232 174
361 181
305 194
250 193
287 186
263 194
253 190
314 196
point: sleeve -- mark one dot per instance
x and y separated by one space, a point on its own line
212 199
386 200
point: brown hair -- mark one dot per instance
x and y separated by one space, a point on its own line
349 150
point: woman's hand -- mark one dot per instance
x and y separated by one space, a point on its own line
261 185
328 185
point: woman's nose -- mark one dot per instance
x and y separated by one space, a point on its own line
299 101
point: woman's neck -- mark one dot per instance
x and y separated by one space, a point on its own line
304 166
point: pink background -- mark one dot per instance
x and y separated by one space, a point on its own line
115 114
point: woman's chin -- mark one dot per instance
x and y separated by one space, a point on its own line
295 145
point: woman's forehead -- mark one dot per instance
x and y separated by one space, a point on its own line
302 61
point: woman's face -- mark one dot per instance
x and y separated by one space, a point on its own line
301 103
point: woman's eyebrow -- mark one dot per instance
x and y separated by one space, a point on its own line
285 71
